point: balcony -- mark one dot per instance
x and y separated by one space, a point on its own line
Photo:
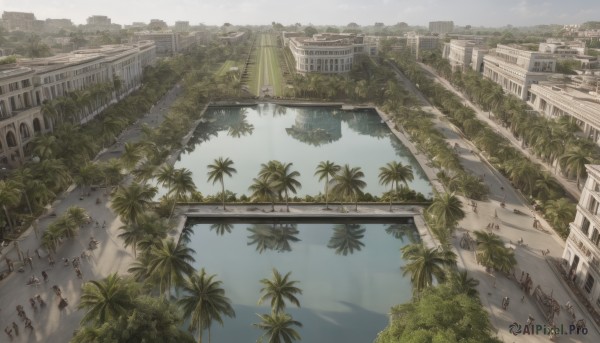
585 247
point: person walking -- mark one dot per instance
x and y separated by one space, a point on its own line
16 328
28 324
45 276
8 332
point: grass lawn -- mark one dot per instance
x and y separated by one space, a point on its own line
226 66
267 70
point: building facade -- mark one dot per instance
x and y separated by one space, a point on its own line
441 27
168 43
418 43
576 97
459 54
581 257
327 53
21 21
26 87
515 69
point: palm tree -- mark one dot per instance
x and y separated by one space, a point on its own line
131 155
285 179
218 170
144 171
78 215
574 161
394 173
130 202
278 288
461 282
10 196
164 175
346 238
446 210
112 171
107 299
348 183
424 264
326 169
181 185
204 302
149 226
263 190
560 213
169 261
278 327
492 253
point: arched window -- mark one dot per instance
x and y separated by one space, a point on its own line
11 139
37 127
24 131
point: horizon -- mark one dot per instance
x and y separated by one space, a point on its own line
517 13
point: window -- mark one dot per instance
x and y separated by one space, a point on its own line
589 283
593 206
585 226
595 237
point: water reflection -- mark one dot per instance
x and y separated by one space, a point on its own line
276 237
370 125
399 231
221 228
316 126
346 238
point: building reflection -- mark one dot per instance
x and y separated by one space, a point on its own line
316 126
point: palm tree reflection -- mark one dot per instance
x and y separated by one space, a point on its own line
275 237
221 228
346 238
399 231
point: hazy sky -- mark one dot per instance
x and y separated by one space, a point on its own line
318 12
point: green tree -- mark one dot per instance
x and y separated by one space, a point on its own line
130 202
204 301
461 282
325 170
278 327
107 299
491 252
423 264
393 173
169 262
181 185
279 289
439 314
348 184
10 196
286 180
446 210
262 190
574 161
148 226
560 213
217 172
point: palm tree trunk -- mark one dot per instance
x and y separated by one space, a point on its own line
287 205
223 193
10 223
356 203
327 192
391 195
28 202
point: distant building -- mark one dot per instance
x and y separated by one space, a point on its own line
169 43
327 53
516 69
417 43
182 26
285 36
157 25
581 257
99 20
99 23
441 27
21 21
576 97
137 25
55 25
26 86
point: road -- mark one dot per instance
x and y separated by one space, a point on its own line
266 79
513 227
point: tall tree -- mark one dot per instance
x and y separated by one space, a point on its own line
107 299
217 172
169 262
423 264
393 173
278 327
325 170
130 202
348 183
204 301
285 179
446 210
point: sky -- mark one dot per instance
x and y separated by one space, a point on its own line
489 13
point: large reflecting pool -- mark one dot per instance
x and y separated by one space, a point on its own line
303 136
349 274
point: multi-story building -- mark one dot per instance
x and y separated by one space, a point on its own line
417 43
477 58
25 88
21 21
515 69
233 37
459 53
581 256
181 26
55 25
166 41
327 53
441 27
157 25
100 23
576 97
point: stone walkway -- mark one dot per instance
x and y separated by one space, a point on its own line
513 227
51 324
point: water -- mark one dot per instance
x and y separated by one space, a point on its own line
251 136
346 298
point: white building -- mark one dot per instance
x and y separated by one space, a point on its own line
26 87
576 97
516 69
417 43
327 53
459 54
581 256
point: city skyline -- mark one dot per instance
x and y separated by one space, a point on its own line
332 12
